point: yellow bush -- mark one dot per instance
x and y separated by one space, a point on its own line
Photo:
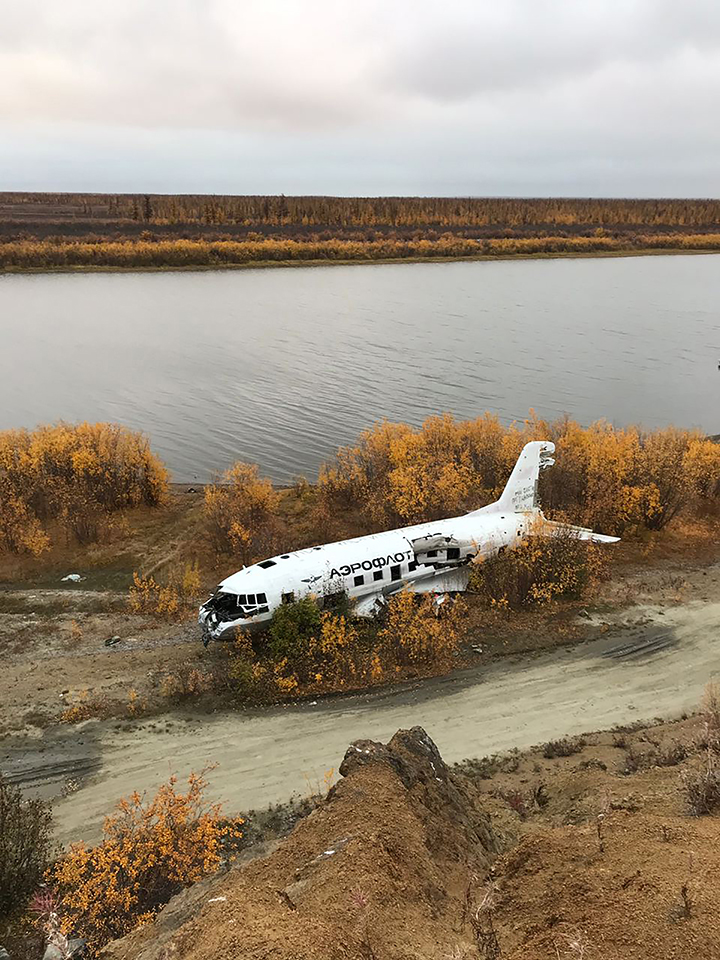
417 634
75 475
702 468
168 600
615 479
185 682
84 707
240 513
149 852
402 475
540 569
65 252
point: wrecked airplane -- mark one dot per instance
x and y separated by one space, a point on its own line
429 557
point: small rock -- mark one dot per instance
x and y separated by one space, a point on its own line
585 614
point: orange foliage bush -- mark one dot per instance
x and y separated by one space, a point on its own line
75 475
540 569
616 479
149 852
240 513
82 708
416 634
174 597
341 654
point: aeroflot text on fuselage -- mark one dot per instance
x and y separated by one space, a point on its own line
348 569
437 559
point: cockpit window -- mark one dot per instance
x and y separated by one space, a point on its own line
223 603
251 599
242 599
261 598
267 563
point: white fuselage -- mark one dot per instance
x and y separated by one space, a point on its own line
425 558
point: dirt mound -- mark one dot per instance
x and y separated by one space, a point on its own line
381 869
578 849
646 887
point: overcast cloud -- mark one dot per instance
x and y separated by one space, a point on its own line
524 97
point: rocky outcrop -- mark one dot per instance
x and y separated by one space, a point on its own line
377 870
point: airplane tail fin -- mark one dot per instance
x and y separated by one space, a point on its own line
520 493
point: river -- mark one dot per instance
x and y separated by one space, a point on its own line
280 366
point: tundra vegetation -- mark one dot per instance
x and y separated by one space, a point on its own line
65 231
657 788
69 482
150 850
26 851
76 485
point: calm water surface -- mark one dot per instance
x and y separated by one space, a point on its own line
282 366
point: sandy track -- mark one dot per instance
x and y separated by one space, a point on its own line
654 662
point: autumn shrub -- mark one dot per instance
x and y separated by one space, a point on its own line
64 252
617 480
149 851
74 476
292 628
398 474
565 747
306 649
702 787
167 600
185 681
240 513
26 850
417 634
326 653
544 567
82 707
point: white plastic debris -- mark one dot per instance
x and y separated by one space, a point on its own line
216 899
73 577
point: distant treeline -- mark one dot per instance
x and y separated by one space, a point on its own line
59 253
358 211
64 230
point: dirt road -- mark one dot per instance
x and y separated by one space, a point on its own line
653 661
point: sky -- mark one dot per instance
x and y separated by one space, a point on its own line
409 97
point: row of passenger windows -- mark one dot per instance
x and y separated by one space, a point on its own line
395 574
251 599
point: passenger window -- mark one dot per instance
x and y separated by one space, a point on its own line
377 575
251 599
412 566
359 580
288 598
395 572
453 553
261 598
432 553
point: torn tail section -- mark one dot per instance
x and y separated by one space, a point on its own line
521 491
